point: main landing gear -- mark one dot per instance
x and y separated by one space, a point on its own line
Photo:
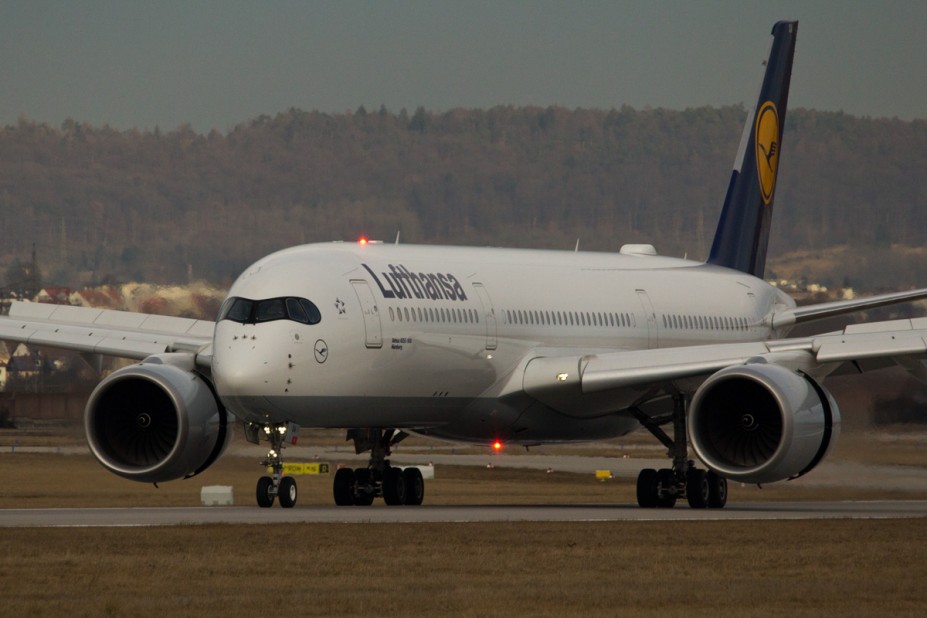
661 488
359 486
275 486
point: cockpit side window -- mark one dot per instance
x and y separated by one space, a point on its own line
302 310
245 311
315 316
296 311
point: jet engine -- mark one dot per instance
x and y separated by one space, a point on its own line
760 423
156 421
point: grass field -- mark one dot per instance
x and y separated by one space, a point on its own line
48 481
860 568
767 568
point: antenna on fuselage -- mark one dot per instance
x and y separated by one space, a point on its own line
397 236
576 249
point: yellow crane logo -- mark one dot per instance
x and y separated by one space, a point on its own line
766 138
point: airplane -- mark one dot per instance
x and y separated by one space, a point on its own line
481 345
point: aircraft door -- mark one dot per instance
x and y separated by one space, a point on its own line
489 315
371 314
650 316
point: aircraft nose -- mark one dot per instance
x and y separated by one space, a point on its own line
235 377
244 365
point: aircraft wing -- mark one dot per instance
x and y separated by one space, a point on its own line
112 333
857 348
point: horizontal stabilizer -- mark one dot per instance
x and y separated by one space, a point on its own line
809 313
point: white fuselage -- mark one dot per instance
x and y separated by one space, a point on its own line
435 339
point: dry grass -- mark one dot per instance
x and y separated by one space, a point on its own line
537 569
897 446
61 435
59 481
38 481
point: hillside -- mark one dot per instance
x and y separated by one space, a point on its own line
104 205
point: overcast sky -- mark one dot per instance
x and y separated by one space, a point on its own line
215 64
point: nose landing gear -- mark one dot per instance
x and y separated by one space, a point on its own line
275 486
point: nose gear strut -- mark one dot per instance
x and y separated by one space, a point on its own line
275 486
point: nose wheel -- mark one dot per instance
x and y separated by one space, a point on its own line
276 486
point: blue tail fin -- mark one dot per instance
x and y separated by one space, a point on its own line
743 230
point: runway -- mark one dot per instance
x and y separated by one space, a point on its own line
760 511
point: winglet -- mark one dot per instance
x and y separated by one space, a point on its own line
743 230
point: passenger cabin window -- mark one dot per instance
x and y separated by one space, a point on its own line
246 311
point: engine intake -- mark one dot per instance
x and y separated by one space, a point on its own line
155 422
761 423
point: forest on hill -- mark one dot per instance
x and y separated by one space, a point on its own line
163 207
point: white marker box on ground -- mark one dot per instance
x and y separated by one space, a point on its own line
217 495
428 471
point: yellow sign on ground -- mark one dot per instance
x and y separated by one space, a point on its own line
603 475
298 469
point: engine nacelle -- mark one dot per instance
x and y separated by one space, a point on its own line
761 423
156 422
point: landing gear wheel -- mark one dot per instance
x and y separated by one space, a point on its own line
394 487
343 487
717 491
415 486
697 488
287 492
269 488
265 492
364 491
666 488
647 488
365 499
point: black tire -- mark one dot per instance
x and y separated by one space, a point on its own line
363 487
415 486
394 487
717 491
697 489
287 492
364 499
647 488
343 487
666 488
363 481
264 493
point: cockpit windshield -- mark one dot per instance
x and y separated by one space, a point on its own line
246 311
